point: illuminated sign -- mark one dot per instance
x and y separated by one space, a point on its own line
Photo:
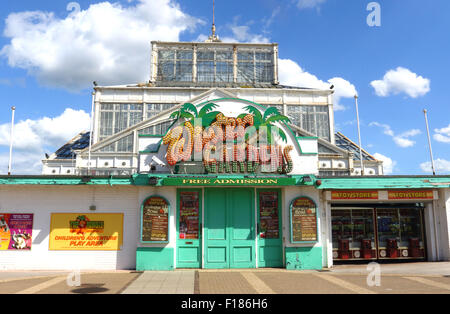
245 144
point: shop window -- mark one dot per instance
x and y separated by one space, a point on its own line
395 233
189 215
269 224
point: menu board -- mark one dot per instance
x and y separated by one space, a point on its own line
155 220
304 220
268 215
189 215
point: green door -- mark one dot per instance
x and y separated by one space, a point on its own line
270 245
189 215
229 228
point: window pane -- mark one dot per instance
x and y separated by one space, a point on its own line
245 72
205 71
184 71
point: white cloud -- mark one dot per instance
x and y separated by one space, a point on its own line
106 42
400 81
241 33
441 166
23 163
34 138
402 139
388 164
38 135
309 4
442 135
290 73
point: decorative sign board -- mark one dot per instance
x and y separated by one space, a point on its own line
155 220
303 221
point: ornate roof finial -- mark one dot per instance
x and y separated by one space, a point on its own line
213 37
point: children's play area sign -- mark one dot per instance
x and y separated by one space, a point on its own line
86 232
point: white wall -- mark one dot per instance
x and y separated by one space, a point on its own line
44 200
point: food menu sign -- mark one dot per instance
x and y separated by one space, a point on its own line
268 215
189 215
16 232
303 220
155 220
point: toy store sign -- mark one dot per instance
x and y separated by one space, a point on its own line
354 195
410 195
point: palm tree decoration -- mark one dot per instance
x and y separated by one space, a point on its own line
190 112
266 122
263 123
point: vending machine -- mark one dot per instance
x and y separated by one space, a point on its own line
392 248
414 248
344 249
366 248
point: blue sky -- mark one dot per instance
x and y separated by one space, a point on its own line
50 56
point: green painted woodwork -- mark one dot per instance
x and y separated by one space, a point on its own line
384 183
356 183
303 258
270 251
66 180
230 181
229 228
189 251
154 258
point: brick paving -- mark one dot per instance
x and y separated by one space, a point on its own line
229 282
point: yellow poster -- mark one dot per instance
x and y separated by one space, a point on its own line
86 232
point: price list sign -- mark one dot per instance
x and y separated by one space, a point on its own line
268 215
155 220
189 212
304 220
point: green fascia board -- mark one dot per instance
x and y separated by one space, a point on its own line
162 180
215 180
380 183
75 180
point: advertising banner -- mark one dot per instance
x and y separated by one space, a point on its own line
86 232
16 231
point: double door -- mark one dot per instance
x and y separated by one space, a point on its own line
230 228
233 234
